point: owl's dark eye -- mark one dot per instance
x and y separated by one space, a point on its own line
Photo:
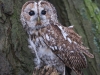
43 12
31 13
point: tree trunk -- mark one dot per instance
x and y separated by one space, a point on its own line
15 56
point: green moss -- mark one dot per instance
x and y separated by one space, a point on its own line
94 15
21 55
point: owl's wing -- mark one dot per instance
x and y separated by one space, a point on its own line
67 45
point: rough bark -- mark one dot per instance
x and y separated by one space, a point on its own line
15 56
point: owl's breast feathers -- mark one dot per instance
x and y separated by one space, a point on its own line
67 45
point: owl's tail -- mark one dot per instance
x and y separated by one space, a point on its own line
85 50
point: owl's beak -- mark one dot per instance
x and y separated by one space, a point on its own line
38 21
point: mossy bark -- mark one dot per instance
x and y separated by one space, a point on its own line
15 56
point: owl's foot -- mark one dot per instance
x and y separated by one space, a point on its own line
47 67
37 67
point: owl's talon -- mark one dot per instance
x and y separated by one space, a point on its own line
37 68
47 67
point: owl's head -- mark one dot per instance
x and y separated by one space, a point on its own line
35 15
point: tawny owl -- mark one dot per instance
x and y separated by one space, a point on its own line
53 44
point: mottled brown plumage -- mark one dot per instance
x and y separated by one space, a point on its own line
53 44
70 52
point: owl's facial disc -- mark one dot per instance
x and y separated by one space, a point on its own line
37 14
